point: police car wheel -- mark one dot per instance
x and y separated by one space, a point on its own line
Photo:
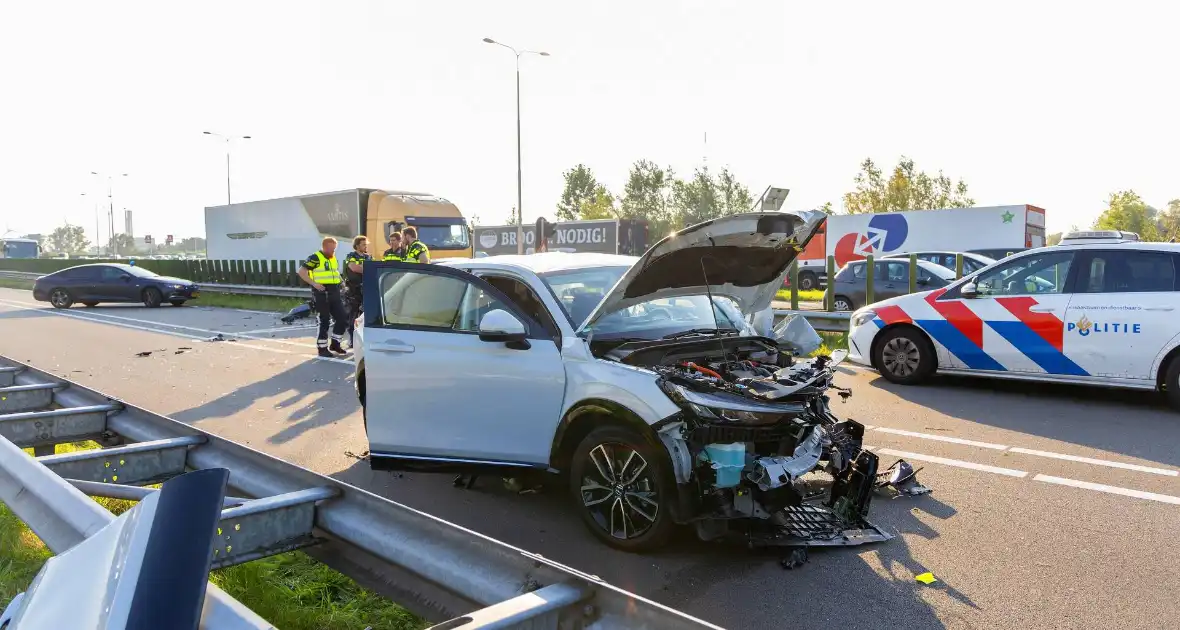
623 489
904 356
1172 383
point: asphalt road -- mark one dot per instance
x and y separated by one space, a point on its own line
1053 507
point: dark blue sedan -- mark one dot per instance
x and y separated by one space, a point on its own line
93 284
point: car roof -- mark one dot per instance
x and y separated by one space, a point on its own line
939 252
1134 245
547 262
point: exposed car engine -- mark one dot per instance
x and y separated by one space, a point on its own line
758 448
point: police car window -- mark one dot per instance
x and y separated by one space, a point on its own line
1042 274
421 300
1130 272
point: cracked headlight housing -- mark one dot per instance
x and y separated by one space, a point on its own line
863 316
725 407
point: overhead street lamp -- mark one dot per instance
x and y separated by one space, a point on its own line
228 139
113 248
97 230
519 193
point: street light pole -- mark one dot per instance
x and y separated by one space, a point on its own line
228 191
97 232
519 186
113 247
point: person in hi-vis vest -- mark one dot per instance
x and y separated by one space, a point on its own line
322 272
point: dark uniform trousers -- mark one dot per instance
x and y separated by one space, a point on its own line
329 304
353 300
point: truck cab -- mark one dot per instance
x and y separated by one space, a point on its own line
440 224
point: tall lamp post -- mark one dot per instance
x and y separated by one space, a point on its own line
228 139
113 248
97 230
519 192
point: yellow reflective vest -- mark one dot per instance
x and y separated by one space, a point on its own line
328 271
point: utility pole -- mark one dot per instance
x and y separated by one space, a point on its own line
113 247
519 189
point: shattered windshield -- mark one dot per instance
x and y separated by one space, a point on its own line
579 292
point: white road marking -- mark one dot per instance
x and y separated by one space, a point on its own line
1098 487
941 438
1096 462
954 462
99 318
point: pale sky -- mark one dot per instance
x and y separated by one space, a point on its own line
1056 104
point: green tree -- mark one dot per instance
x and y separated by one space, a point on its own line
580 187
1169 222
647 195
907 188
69 239
121 244
1127 211
706 196
600 206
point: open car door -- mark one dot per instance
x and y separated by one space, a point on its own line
455 373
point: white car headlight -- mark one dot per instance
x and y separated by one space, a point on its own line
864 316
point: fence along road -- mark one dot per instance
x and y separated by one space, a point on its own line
432 567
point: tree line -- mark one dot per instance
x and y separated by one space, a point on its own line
72 239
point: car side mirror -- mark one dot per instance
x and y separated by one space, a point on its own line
969 290
125 277
501 326
923 281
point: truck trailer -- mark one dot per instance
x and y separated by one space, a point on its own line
850 237
291 228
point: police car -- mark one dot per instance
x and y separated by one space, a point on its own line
1100 308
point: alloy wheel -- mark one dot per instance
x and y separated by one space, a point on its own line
619 492
842 304
59 298
901 356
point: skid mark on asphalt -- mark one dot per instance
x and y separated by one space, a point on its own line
145 325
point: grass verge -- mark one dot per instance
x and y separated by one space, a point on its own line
290 590
13 283
249 302
814 295
832 341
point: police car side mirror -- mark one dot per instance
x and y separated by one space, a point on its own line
501 326
969 290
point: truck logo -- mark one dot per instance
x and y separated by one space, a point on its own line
241 235
337 215
885 233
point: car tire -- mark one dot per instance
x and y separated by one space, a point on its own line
60 298
622 489
1172 383
843 303
904 356
90 304
177 302
152 298
808 281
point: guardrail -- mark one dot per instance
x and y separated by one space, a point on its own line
434 568
821 321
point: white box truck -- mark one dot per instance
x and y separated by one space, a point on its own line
994 231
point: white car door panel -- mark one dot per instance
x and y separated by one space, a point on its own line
435 390
1123 312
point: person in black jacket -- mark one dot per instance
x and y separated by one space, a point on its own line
353 269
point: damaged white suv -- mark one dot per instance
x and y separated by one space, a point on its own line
640 379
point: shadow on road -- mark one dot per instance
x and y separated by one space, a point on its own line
306 396
724 583
1133 423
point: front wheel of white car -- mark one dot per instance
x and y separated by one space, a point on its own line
622 489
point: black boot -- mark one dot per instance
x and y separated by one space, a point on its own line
335 347
324 353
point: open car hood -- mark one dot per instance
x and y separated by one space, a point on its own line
743 256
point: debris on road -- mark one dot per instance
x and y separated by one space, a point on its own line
145 353
795 559
220 337
903 478
926 578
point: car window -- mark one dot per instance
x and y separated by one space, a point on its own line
525 299
425 300
1044 273
111 274
476 302
859 270
1129 272
849 272
580 290
896 272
